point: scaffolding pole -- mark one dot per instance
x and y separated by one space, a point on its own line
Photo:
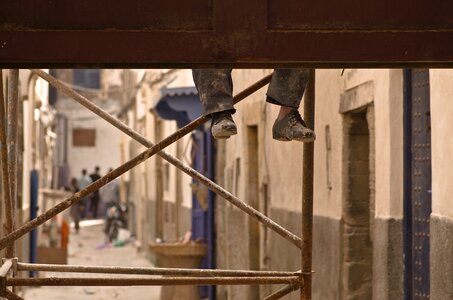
12 134
5 170
150 271
66 281
28 226
174 137
307 191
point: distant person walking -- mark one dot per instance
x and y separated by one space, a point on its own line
83 182
76 209
110 193
95 196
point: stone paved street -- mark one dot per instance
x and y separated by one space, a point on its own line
84 249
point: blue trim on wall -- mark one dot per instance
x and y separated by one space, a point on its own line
34 189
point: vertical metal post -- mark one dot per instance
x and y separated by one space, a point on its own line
5 173
307 191
179 192
159 183
2 132
11 133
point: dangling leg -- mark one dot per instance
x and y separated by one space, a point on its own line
215 89
286 89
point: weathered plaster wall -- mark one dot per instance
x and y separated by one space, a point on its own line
106 152
441 87
441 241
280 169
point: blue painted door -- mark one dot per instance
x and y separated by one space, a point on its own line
34 189
418 184
203 208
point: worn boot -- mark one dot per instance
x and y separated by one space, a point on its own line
292 127
222 126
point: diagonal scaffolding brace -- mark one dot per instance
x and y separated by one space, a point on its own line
141 158
174 137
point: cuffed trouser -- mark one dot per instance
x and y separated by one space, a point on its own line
215 88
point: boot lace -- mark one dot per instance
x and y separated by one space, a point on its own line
295 118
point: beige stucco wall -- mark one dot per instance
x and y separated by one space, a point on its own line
388 110
328 164
105 153
281 163
441 90
380 92
389 143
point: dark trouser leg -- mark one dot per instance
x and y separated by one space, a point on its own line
287 87
215 88
77 218
94 208
83 210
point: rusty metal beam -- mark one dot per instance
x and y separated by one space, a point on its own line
175 136
2 133
5 170
159 281
149 49
221 33
12 135
282 292
150 271
307 191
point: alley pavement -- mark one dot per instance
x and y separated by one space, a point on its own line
86 248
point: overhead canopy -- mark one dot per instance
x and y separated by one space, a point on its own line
179 104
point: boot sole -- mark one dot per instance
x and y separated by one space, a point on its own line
223 134
282 138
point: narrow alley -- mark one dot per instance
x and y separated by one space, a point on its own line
232 210
87 248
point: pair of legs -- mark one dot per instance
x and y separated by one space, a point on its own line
94 204
215 88
75 212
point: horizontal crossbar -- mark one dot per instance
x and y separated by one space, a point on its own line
160 281
149 271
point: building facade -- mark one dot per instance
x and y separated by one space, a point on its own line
375 236
86 140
